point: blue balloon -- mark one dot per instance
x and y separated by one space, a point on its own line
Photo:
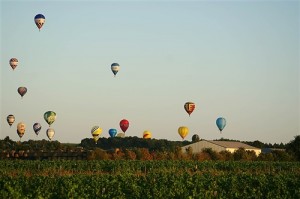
221 123
112 132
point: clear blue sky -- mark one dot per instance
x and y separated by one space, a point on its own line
235 59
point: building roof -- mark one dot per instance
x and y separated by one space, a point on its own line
232 144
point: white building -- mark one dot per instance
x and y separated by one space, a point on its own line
219 146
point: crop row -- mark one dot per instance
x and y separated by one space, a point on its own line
133 166
153 185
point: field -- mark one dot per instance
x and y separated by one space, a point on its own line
149 179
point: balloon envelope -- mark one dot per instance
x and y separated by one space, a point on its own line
189 107
22 91
183 131
147 135
13 62
195 138
96 131
10 119
124 124
115 67
37 128
221 123
121 135
21 127
39 20
50 133
112 132
50 117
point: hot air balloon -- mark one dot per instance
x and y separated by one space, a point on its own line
50 117
147 134
37 127
115 67
13 62
183 131
10 119
39 20
221 123
121 135
22 91
96 131
21 129
50 133
124 124
189 107
195 138
112 132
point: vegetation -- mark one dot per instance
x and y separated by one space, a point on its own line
149 179
134 148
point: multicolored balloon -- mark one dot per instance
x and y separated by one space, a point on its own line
22 91
112 132
50 133
39 20
115 67
13 62
37 128
147 135
221 123
183 131
50 117
124 124
96 131
10 119
21 129
189 107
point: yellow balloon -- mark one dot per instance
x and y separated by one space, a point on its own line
183 131
96 131
147 134
21 129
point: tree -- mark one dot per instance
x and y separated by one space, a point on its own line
212 154
240 154
226 155
293 147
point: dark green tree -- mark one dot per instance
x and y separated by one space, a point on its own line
293 147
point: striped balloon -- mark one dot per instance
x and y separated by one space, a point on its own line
13 62
189 107
10 119
115 67
39 20
37 128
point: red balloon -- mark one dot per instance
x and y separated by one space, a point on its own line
124 124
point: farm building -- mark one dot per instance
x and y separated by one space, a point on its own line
219 146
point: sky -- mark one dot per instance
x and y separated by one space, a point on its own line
233 59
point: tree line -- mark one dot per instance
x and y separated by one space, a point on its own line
139 148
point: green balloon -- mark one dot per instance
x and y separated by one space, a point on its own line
50 117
